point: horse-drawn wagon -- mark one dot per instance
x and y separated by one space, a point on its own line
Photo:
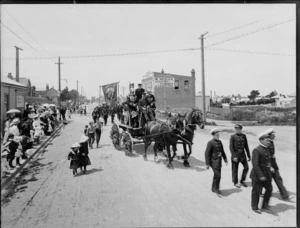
177 129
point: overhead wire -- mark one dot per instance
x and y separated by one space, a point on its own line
20 38
177 50
25 29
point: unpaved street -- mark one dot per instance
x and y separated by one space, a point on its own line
126 191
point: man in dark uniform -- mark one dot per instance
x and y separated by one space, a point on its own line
276 175
105 110
213 158
238 145
139 92
261 173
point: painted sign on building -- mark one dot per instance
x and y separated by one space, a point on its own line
20 101
165 81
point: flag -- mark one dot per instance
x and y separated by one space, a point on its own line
110 92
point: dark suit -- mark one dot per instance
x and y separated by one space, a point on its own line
261 162
213 158
276 175
238 146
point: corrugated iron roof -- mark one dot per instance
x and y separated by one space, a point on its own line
7 80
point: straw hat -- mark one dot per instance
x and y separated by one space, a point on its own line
75 145
83 139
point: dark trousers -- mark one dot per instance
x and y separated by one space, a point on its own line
216 179
279 182
105 119
235 169
256 188
112 118
91 139
98 136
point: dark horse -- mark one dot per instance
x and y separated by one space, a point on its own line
163 136
187 125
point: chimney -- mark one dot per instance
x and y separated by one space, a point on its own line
10 76
47 87
193 73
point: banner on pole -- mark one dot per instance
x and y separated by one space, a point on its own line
110 93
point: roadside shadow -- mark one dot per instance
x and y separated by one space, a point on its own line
103 145
281 207
227 192
93 170
278 196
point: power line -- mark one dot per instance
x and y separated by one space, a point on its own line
250 33
20 37
249 52
25 29
239 27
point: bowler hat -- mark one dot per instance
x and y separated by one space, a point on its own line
214 131
238 126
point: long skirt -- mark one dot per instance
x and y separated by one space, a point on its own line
74 164
84 160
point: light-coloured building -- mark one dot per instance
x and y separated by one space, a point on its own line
172 92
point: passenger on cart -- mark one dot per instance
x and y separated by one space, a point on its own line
151 107
132 105
142 108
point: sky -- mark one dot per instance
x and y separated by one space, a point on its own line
247 47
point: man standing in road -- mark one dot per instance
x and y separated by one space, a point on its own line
213 158
276 175
261 173
238 145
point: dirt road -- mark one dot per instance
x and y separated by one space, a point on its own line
126 191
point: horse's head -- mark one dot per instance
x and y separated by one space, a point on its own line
195 117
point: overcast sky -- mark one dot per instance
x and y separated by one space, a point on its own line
248 46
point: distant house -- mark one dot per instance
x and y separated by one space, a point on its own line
50 93
26 82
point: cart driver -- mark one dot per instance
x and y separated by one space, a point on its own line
151 107
132 105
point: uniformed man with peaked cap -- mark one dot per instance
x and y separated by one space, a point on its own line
213 158
276 175
261 173
238 145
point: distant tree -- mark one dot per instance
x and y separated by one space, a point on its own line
272 94
64 95
226 100
253 95
73 95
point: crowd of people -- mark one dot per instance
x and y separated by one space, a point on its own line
265 167
23 130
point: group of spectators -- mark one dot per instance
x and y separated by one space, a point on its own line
23 130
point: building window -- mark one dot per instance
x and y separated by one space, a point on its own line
176 84
6 102
186 84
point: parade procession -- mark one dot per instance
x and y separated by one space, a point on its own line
145 138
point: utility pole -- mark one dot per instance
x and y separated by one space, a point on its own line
59 101
165 101
203 77
17 63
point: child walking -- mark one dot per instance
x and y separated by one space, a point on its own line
74 157
98 131
91 134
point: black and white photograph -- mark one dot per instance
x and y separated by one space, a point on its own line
148 115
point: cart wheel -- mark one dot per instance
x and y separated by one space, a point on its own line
127 142
115 136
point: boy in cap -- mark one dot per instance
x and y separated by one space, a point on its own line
261 173
276 175
213 157
238 145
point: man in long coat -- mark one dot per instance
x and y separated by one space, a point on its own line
261 173
213 158
238 145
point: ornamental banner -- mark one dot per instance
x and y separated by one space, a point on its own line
110 93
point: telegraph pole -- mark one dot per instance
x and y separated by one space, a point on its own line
17 63
203 77
59 101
